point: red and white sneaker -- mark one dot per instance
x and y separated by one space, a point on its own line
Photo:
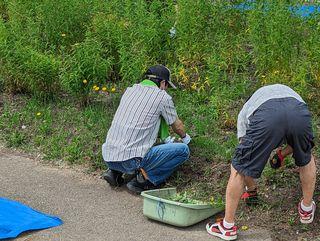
218 230
307 217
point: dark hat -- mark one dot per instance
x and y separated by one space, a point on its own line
160 72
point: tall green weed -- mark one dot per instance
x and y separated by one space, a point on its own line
214 49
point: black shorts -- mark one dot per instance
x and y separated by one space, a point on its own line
277 121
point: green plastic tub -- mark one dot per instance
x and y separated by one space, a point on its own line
157 206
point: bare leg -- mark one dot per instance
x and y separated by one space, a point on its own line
250 183
308 181
233 194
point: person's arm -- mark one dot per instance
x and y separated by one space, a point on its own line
178 128
169 114
168 111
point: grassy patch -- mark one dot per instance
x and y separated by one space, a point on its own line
61 130
66 132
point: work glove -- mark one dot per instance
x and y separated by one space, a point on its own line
186 139
277 160
169 140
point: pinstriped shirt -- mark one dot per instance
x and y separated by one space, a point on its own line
135 126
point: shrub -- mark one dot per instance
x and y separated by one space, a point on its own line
33 72
217 49
89 64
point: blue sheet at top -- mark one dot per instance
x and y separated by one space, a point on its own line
16 218
303 11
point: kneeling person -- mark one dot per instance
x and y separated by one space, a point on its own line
144 109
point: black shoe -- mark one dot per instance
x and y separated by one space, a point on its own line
114 178
137 187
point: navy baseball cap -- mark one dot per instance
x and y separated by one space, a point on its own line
160 72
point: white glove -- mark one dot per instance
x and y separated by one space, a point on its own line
169 139
186 139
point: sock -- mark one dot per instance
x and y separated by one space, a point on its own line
305 208
227 225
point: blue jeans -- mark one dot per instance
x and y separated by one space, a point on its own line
159 163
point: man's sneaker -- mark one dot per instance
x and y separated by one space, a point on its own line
306 217
250 197
137 186
114 178
218 230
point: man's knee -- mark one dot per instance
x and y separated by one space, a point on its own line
183 150
235 173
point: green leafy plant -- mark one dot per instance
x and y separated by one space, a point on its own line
185 198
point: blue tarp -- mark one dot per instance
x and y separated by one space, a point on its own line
16 218
303 11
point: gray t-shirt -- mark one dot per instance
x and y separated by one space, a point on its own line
135 126
258 98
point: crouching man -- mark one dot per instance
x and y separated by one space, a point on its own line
145 110
273 115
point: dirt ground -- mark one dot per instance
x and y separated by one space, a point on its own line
279 193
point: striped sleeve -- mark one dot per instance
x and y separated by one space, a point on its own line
168 111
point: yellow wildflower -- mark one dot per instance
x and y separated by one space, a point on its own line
181 72
94 87
113 89
38 114
104 88
194 86
63 35
85 81
97 88
126 24
244 228
207 82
